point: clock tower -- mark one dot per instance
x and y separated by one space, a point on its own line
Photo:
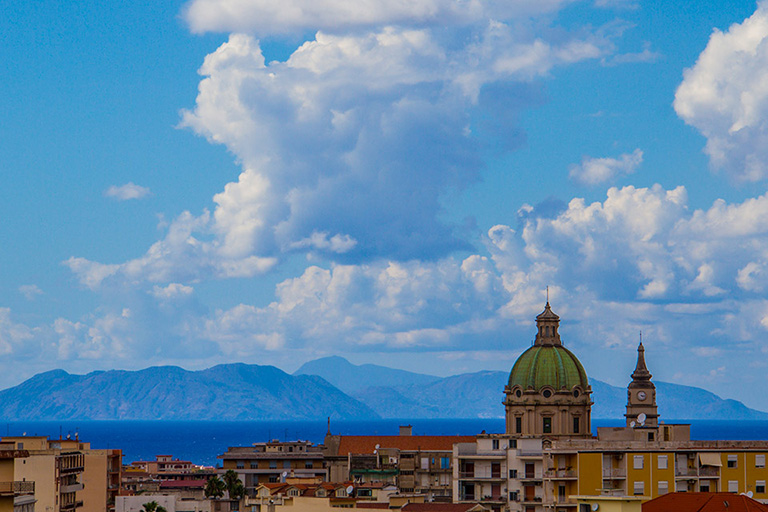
641 396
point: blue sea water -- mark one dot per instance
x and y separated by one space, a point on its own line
201 441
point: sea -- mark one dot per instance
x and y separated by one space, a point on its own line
202 441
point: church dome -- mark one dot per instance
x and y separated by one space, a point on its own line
548 363
548 366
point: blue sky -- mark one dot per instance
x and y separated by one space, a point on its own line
200 182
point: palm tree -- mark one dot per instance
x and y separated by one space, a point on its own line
152 506
234 485
214 488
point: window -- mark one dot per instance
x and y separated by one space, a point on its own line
273 464
445 462
662 462
704 486
639 488
638 461
547 425
254 465
513 496
287 464
240 464
273 479
512 473
495 443
760 460
663 487
308 464
576 424
293 492
733 486
424 463
733 461
650 436
20 446
518 426
760 486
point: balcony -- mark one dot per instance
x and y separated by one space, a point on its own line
64 489
473 475
709 471
530 477
72 505
530 500
16 488
686 472
561 474
614 474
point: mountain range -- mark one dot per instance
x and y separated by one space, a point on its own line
330 386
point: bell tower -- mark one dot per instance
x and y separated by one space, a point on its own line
641 396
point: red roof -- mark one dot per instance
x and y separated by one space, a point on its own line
367 444
362 504
703 502
183 483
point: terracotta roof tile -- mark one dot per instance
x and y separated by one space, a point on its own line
703 502
366 444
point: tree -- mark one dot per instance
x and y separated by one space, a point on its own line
214 488
234 485
152 506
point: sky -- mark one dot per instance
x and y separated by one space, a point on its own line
211 181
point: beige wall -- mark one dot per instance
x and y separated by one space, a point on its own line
94 478
40 469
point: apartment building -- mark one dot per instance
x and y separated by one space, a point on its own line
274 462
68 474
415 464
15 495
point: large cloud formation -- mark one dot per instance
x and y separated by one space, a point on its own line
725 96
348 148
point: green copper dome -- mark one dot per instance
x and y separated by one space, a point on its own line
548 365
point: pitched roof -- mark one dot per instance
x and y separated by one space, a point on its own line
367 444
703 502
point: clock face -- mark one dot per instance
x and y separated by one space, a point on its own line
641 395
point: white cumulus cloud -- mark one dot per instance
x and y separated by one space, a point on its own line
725 96
593 171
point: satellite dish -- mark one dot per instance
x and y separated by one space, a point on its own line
285 474
350 489
632 424
375 452
377 446
641 418
595 506
749 494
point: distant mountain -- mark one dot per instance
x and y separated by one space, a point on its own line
352 378
479 395
224 392
252 392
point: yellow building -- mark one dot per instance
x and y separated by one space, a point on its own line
14 493
68 474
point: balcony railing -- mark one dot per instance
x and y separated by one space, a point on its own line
560 473
17 488
686 472
709 471
614 473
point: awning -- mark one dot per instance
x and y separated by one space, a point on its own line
710 459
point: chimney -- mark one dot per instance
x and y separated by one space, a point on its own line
406 430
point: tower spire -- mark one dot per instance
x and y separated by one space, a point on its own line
641 372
